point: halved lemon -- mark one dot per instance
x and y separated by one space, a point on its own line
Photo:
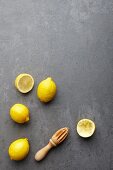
24 82
85 128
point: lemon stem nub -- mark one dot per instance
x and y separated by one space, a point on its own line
49 78
27 119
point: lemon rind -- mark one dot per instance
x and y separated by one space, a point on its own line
82 134
17 82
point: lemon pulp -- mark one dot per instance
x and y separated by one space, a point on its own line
85 128
24 83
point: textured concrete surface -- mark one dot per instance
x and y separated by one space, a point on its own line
72 41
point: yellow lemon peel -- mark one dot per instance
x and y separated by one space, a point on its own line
46 90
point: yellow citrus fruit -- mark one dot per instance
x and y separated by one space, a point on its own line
19 113
24 82
46 90
19 149
85 128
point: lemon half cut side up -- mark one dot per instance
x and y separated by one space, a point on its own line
85 128
24 83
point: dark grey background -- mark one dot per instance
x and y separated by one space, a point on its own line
71 41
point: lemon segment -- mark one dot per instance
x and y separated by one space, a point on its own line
18 149
85 128
24 83
19 113
46 90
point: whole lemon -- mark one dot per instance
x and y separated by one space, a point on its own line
46 90
19 113
19 149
